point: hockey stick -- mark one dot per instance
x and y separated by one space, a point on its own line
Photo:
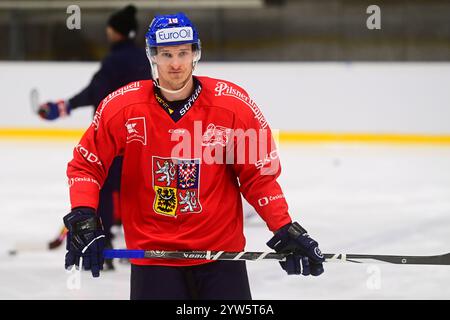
24 246
443 259
59 239
34 100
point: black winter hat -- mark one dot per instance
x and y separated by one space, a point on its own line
124 21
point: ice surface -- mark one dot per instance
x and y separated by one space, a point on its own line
351 198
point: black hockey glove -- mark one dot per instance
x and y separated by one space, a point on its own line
53 110
305 257
85 240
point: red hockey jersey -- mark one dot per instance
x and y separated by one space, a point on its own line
184 168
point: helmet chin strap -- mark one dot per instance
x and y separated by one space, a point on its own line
173 91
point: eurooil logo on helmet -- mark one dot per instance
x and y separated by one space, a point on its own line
174 34
171 30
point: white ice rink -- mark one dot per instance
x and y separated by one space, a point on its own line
352 198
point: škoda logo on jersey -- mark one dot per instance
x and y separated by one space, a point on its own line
176 183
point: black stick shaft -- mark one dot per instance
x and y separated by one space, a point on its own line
443 259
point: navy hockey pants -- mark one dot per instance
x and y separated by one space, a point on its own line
219 280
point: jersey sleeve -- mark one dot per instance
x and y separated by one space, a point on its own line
98 88
92 157
257 166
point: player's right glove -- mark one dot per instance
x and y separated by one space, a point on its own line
54 110
85 239
305 257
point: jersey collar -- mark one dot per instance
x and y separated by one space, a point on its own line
177 109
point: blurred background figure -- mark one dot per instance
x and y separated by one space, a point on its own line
125 63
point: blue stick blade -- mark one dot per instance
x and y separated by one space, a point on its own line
123 253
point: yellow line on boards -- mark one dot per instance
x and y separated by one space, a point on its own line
281 136
40 134
309 137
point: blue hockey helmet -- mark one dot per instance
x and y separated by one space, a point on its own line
171 30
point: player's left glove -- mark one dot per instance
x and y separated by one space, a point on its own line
85 239
305 256
54 110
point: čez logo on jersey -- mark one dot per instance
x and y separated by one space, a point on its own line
177 184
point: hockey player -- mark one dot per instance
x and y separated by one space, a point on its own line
125 63
189 153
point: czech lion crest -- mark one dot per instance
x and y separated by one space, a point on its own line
176 183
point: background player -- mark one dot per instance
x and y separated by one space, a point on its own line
125 62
